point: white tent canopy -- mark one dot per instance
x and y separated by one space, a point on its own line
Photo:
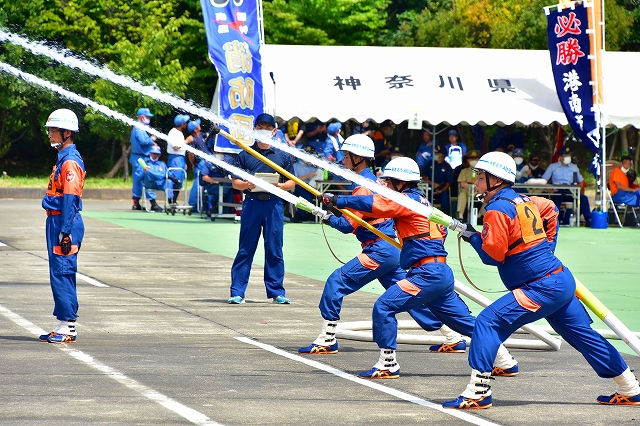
450 85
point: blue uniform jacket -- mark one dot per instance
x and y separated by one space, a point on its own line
252 165
347 225
141 142
515 240
64 193
419 236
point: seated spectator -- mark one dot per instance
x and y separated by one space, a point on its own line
395 152
518 157
363 128
455 149
532 169
153 173
442 180
563 172
195 140
624 190
424 154
316 133
465 179
382 142
292 131
333 143
209 180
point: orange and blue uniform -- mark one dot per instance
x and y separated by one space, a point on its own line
514 239
378 260
429 280
63 203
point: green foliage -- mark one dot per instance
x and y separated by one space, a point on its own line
321 22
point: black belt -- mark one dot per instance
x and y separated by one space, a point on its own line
260 196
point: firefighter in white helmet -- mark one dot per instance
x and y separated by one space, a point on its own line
429 280
378 260
64 227
514 239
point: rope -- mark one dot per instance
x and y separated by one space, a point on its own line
465 272
329 245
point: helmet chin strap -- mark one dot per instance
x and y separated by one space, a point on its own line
480 197
354 164
64 140
395 187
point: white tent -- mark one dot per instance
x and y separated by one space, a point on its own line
451 85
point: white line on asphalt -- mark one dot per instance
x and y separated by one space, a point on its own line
90 280
190 414
2 244
371 384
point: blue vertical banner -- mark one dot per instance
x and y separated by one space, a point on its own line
233 37
571 60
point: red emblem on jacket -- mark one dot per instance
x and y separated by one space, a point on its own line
70 176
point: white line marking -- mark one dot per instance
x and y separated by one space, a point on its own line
190 414
90 280
2 244
369 383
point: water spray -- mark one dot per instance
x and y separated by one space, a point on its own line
121 117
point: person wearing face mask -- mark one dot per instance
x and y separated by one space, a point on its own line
141 143
532 169
382 142
622 192
518 158
153 173
455 149
466 178
442 180
563 172
64 226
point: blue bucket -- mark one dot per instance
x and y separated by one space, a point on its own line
599 220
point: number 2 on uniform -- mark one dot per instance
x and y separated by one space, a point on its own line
530 222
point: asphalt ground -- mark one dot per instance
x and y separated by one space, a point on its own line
158 344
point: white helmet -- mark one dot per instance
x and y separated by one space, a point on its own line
63 119
361 145
499 164
402 168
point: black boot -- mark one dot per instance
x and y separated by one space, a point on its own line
155 207
175 196
136 204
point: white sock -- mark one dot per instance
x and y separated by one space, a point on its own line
504 359
478 385
627 383
328 335
451 336
67 327
387 361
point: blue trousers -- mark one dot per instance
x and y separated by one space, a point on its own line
431 285
193 194
62 268
353 275
137 178
628 198
176 161
266 218
559 306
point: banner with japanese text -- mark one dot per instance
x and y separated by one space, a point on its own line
569 47
233 37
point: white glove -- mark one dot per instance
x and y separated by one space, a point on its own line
318 211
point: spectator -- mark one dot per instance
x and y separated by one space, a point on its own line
585 208
623 190
533 169
424 154
466 178
291 130
333 143
196 140
518 157
141 143
382 141
363 128
153 173
563 172
176 151
455 149
262 213
453 189
209 180
442 180
394 152
316 133
308 173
